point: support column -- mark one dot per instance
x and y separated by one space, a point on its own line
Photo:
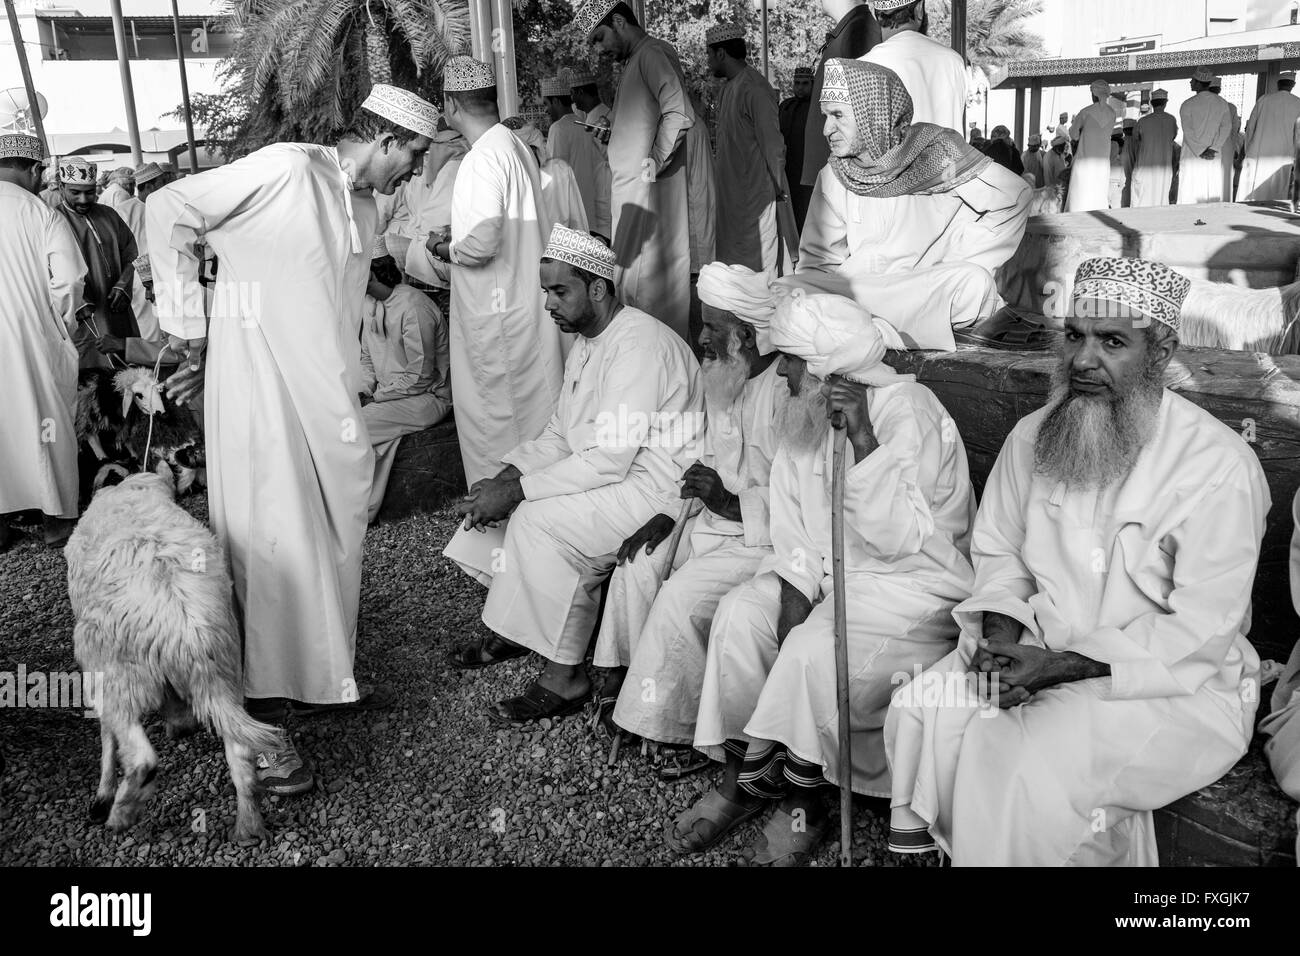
1020 117
480 30
185 91
33 103
128 92
959 28
1036 107
503 55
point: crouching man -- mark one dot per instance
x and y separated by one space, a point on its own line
631 413
768 700
662 634
1114 554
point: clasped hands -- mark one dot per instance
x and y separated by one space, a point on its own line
490 500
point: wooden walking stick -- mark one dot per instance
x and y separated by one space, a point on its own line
839 425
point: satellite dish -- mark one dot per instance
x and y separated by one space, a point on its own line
16 110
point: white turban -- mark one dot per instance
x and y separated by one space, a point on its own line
745 293
835 336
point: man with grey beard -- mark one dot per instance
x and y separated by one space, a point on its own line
768 704
658 636
1115 550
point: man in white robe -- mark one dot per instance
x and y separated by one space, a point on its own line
750 159
1032 160
1054 163
932 72
918 242
289 461
1207 131
1103 669
42 274
1282 725
561 197
1153 171
1090 174
405 368
768 704
1232 155
630 416
647 162
507 357
1270 145
657 630
574 144
429 203
587 103
120 195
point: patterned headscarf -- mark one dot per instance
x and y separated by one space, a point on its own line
896 157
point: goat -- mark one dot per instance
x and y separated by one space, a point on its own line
152 600
1219 315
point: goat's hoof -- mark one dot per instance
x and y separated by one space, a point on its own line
99 809
250 834
119 821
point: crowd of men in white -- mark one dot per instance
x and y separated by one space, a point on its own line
1074 651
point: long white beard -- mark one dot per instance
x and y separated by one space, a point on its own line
725 376
1091 442
803 423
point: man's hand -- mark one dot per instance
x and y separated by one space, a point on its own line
186 382
602 135
111 344
1032 669
997 627
491 500
649 536
118 300
701 481
849 400
795 609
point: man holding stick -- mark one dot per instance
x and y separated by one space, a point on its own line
768 705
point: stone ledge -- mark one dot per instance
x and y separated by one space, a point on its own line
426 474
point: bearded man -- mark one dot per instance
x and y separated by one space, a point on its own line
768 705
659 635
1114 552
907 219
630 414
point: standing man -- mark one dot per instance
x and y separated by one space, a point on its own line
854 34
1232 155
149 178
933 73
586 97
570 143
1153 172
1207 132
42 273
507 358
1128 160
1032 159
1054 163
794 126
1270 145
119 195
109 336
289 461
750 159
647 162
429 202
1090 174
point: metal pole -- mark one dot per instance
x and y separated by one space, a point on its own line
185 90
480 30
766 74
32 102
503 48
959 28
128 92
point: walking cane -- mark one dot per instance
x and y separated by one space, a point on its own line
673 542
841 639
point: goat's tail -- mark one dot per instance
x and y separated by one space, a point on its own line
217 703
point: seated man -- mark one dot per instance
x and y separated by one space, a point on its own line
404 362
1114 551
1282 725
906 218
630 415
662 635
768 701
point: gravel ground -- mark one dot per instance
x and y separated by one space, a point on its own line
428 782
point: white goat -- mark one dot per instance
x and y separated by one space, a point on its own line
1219 315
152 600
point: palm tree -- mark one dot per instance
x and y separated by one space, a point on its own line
997 31
302 56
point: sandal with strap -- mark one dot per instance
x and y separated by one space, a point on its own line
370 697
682 835
785 841
484 652
673 762
534 704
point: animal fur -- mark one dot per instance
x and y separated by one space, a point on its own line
1219 315
1046 201
151 596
